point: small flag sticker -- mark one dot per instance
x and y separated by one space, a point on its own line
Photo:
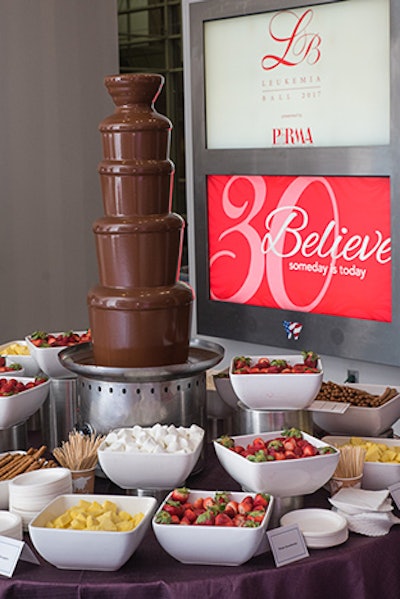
293 329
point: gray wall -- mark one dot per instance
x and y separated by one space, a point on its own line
54 55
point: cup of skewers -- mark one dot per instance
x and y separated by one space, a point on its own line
79 455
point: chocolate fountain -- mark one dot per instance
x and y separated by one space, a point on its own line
141 367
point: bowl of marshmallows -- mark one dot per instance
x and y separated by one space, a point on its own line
157 457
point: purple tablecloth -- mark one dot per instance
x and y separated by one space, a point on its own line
361 568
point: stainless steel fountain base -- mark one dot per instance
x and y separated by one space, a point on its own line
104 405
110 398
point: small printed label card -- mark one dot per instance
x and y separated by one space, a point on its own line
11 550
335 407
287 544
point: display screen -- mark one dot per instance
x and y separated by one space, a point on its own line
311 76
309 244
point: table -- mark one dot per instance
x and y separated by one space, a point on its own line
361 568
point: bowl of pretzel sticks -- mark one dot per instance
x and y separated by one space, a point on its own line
371 409
13 463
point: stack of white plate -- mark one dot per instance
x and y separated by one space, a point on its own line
30 492
320 527
10 525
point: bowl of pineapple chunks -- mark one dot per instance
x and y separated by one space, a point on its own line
99 532
382 459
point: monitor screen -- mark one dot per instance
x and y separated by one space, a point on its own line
311 244
301 74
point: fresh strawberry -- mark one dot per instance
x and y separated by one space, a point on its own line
239 520
309 450
256 516
175 519
231 508
289 444
290 455
241 362
275 444
246 505
223 519
259 456
310 358
221 498
292 432
251 524
163 517
190 515
173 507
198 503
205 519
209 503
261 499
259 443
181 494
226 441
326 450
263 363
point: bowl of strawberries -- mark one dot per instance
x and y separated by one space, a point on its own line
45 347
8 367
285 463
213 527
278 382
20 397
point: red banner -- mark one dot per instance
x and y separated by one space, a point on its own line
308 244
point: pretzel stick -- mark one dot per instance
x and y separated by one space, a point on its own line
38 454
20 467
10 466
6 459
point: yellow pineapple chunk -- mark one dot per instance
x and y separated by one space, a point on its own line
125 525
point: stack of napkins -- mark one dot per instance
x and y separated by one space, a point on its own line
367 512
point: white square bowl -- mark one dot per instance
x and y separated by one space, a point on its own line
376 475
27 361
280 478
224 388
134 470
211 545
357 420
47 358
89 550
17 408
281 391
4 484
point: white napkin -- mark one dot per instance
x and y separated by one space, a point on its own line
366 512
370 524
356 501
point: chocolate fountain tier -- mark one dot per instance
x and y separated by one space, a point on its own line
145 248
135 130
140 327
136 186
